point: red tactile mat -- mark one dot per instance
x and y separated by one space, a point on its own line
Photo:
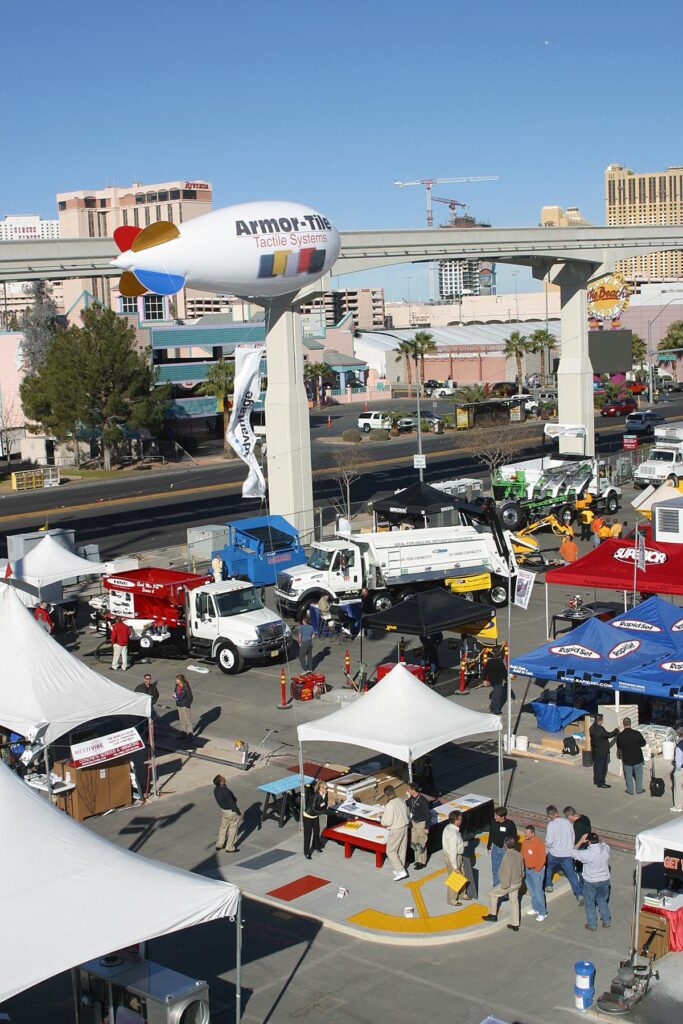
293 890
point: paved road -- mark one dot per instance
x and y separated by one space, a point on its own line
143 510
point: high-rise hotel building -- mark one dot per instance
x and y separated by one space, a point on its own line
652 198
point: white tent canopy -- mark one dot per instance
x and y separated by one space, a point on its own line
402 717
50 562
651 844
74 896
41 681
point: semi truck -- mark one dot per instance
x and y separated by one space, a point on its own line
225 622
393 565
664 463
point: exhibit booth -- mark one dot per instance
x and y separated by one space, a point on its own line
659 918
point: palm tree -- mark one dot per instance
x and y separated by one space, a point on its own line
515 347
313 374
673 337
219 382
422 344
638 350
539 342
405 352
472 393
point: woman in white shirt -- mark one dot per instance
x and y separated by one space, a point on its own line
454 855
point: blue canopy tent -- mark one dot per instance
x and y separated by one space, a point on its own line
654 619
661 678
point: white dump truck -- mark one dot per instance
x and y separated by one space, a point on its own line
664 463
395 564
193 615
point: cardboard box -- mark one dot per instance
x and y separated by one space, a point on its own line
649 923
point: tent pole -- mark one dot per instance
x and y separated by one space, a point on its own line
547 612
636 908
508 682
153 755
48 780
303 786
74 994
238 958
625 604
500 767
410 766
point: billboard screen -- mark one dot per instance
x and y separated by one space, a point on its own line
610 351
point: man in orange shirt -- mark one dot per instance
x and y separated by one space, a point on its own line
533 854
596 525
569 552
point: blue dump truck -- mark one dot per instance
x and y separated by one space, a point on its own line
259 548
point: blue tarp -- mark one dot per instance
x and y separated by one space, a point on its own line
593 655
654 619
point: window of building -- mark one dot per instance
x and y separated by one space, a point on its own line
136 217
610 193
151 197
641 190
163 196
91 224
169 212
90 202
174 193
662 189
129 304
189 193
102 225
652 189
139 197
103 204
180 213
124 214
158 212
62 206
147 220
154 307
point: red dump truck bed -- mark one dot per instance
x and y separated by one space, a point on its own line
152 593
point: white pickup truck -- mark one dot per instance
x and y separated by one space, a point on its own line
664 463
393 565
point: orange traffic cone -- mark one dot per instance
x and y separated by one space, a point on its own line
329 423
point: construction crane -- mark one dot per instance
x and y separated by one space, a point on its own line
452 205
430 182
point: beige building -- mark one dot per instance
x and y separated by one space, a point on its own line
96 213
476 309
557 217
652 198
366 305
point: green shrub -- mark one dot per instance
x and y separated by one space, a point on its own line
379 435
353 435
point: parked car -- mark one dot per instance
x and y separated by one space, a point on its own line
637 389
406 423
430 417
445 390
431 385
643 422
621 407
506 389
368 421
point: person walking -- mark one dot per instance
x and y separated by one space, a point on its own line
559 843
534 856
596 525
501 828
150 688
420 815
43 617
630 745
511 878
453 847
183 696
586 517
569 551
395 819
316 804
677 775
605 531
230 815
306 633
594 856
430 652
496 675
120 637
600 738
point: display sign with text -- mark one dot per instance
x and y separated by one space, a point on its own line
106 748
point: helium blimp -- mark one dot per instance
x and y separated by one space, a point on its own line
262 249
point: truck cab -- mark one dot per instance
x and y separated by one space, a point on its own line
664 463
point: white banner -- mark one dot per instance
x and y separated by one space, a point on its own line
524 586
240 436
106 748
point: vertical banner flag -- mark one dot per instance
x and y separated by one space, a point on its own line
523 587
640 551
240 436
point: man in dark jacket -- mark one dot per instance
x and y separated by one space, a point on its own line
230 815
582 826
420 814
496 674
630 745
500 829
150 688
600 749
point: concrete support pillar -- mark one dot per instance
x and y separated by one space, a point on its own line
290 483
575 373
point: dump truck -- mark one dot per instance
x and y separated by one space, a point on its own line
225 622
393 565
664 463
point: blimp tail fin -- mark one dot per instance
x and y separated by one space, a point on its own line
159 282
155 234
130 286
125 236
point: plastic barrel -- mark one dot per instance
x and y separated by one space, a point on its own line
522 743
584 975
668 750
583 998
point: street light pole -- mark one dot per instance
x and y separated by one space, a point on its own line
419 421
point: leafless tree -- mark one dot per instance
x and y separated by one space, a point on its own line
348 463
12 424
496 445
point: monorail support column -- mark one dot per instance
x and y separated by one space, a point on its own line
575 373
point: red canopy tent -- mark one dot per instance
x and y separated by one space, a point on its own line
611 567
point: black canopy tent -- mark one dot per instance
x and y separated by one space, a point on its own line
419 501
429 611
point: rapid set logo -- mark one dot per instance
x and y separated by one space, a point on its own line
622 649
575 651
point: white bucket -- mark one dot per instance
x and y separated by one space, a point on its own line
513 739
522 743
668 750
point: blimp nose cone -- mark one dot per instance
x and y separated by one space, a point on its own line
124 261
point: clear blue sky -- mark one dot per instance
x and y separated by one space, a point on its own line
328 103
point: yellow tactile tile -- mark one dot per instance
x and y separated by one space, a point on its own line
377 920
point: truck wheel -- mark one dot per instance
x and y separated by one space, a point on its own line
497 595
612 504
228 660
513 516
146 643
366 428
382 602
406 594
673 480
566 515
